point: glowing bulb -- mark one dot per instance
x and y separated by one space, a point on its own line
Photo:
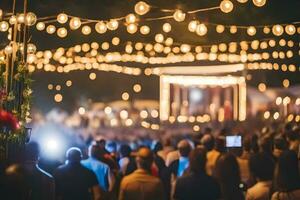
12 19
220 28
124 114
125 96
259 3
242 1
251 30
62 32
185 48
112 24
131 28
108 110
105 46
159 38
267 115
226 6
81 111
233 29
4 26
167 27
286 83
68 83
137 88
262 87
130 19
51 29
115 41
86 30
201 29
141 8
40 26
58 98
144 114
100 27
62 18
75 23
276 115
21 18
169 41
193 26
266 30
179 16
277 30
92 76
145 30
290 29
30 19
154 113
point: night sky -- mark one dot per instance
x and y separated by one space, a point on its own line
109 86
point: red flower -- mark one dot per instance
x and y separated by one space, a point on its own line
8 121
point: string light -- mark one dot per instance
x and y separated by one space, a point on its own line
112 24
69 83
220 28
92 76
51 29
30 19
40 26
167 27
62 32
86 30
266 30
130 19
62 18
242 1
277 30
159 38
233 29
4 26
145 30
115 41
259 3
262 87
226 6
12 20
179 16
286 83
290 29
141 8
125 96
58 98
132 28
201 30
193 26
137 88
75 23
100 27
251 31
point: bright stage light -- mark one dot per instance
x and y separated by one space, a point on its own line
52 147
196 95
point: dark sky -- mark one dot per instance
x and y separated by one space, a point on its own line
109 86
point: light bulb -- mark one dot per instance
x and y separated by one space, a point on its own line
233 29
201 29
51 29
75 23
145 30
141 8
62 18
242 1
100 27
220 28
12 19
259 3
131 28
226 6
130 19
21 18
86 30
290 29
159 38
179 16
251 30
167 27
115 41
277 30
112 24
266 30
40 26
62 32
30 19
4 26
193 26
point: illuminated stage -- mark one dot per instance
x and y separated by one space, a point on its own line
198 91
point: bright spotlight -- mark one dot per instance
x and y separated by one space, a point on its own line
196 95
52 147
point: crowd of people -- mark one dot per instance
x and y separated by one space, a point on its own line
265 167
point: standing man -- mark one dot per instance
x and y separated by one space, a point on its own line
141 185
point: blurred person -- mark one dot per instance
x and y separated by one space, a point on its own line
167 148
197 184
141 185
227 173
104 155
266 144
179 166
74 181
214 154
280 145
243 160
287 177
293 138
127 163
102 170
208 141
262 169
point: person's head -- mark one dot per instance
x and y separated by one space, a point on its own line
208 142
280 143
93 151
198 160
227 173
292 135
101 143
32 151
184 148
125 150
266 144
207 130
144 158
287 177
74 155
220 144
262 166
112 147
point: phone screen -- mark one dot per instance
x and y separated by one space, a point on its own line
234 141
